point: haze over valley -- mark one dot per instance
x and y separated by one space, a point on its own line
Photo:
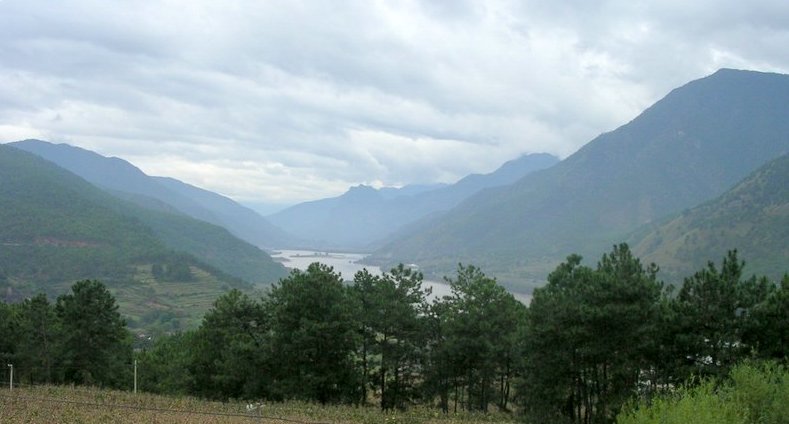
517 222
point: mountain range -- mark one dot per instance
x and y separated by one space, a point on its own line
687 148
125 180
364 216
701 171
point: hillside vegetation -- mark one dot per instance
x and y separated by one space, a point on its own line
753 215
124 180
751 395
593 341
57 229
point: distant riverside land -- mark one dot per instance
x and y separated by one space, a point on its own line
348 264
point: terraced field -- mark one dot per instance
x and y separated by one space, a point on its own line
167 305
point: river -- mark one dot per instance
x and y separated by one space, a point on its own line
347 265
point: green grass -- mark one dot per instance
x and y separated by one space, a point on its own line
754 394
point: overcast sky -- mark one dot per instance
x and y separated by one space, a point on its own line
286 101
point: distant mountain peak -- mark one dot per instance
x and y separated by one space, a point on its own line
361 188
735 71
362 193
364 216
529 161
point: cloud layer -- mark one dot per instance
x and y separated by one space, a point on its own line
285 101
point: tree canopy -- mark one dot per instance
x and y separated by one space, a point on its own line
594 339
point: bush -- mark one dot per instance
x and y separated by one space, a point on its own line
762 392
754 393
699 405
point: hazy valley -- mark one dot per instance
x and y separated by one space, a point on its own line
574 290
517 223
398 212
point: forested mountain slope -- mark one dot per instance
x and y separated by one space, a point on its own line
125 180
57 228
752 217
687 148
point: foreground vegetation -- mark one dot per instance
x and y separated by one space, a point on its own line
752 394
592 341
63 404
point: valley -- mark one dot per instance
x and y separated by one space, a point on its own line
479 211
201 291
72 213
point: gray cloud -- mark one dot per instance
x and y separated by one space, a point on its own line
288 101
